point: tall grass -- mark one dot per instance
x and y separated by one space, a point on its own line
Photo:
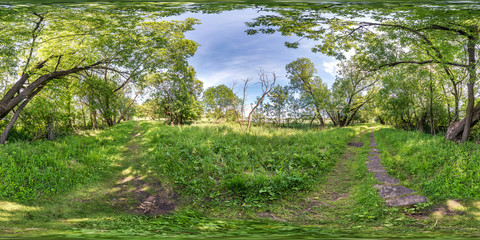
442 169
222 163
41 168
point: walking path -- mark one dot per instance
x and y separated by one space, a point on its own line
390 190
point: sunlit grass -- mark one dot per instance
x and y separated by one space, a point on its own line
42 168
439 168
221 162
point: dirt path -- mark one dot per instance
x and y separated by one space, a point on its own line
137 192
332 200
390 188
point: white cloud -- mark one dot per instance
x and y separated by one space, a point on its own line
330 67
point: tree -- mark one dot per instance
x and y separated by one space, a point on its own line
412 96
219 101
352 89
301 74
149 109
278 98
266 85
397 35
59 43
177 93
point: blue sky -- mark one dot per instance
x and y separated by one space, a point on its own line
226 53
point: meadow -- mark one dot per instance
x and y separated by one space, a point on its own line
223 182
441 168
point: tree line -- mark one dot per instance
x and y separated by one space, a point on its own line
424 56
68 68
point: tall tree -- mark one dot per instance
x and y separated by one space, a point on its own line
218 101
54 43
396 35
301 73
353 88
278 98
177 93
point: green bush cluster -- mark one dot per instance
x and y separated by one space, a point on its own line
220 162
441 168
41 168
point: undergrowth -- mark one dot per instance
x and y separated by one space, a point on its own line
222 164
441 168
43 168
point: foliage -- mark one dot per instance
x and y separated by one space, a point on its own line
227 166
104 52
43 168
219 102
278 98
440 168
301 73
387 37
177 93
353 88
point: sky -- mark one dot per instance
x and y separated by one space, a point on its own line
227 54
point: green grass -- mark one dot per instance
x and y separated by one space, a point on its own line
271 182
440 168
31 170
224 165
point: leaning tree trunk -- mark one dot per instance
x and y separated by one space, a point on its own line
455 130
6 130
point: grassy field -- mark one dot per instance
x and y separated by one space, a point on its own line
441 168
147 179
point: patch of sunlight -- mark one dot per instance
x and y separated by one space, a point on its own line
127 171
477 214
5 216
76 220
92 133
455 206
127 179
11 207
476 204
438 214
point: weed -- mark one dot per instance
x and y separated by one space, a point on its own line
43 168
245 169
440 168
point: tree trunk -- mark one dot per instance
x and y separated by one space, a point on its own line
128 108
51 129
318 115
421 122
381 120
15 97
455 130
432 130
84 118
94 119
470 88
6 130
332 118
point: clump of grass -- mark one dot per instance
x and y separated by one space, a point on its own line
42 168
222 164
442 169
